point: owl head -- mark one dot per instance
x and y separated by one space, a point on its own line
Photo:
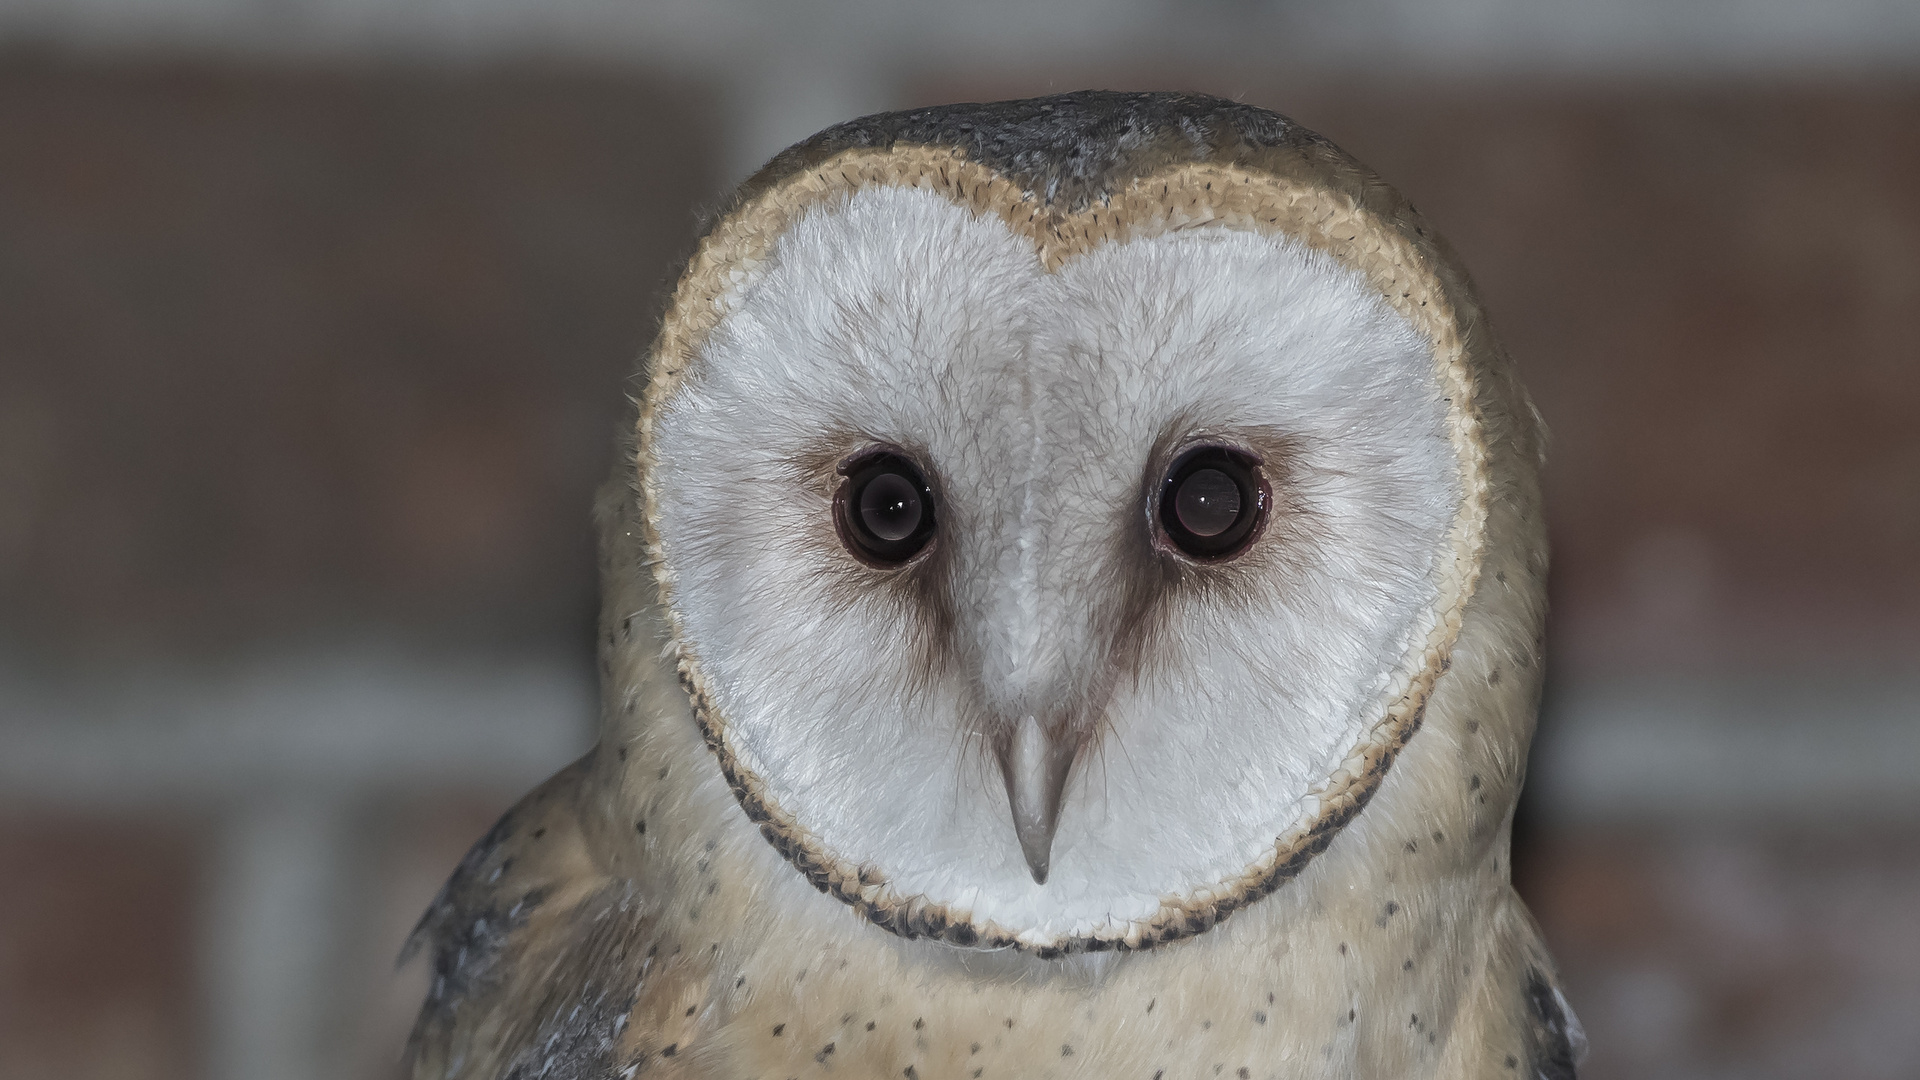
1065 510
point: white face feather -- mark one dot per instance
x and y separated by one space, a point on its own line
1043 406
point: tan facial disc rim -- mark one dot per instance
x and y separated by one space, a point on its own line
1186 196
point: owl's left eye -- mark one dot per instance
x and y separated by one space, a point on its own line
883 510
1213 503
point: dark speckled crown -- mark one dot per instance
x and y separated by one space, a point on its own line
1068 150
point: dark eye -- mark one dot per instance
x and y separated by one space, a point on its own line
1213 502
884 509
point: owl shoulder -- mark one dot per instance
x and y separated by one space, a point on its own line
1518 1021
535 952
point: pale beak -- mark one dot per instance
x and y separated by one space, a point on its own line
1035 765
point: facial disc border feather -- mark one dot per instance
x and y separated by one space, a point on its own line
1316 198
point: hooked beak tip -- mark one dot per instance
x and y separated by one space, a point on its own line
1035 766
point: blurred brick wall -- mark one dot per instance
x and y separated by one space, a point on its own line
293 355
1745 952
285 352
97 926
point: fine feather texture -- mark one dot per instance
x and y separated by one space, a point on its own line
1038 401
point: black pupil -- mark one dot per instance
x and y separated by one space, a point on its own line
1208 502
1212 503
890 506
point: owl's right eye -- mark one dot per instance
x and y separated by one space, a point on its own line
883 510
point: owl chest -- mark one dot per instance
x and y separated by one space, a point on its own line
1236 1022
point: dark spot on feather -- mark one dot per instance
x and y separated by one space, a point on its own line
1065 1050
918 1023
672 1049
1474 784
777 1029
824 1051
640 826
1259 1018
623 753
1408 966
869 1025
690 1009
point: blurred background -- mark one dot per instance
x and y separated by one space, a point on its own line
317 319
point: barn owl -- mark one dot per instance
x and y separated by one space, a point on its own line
1073 606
